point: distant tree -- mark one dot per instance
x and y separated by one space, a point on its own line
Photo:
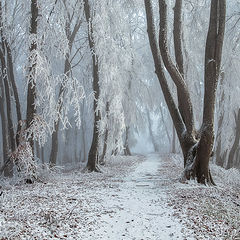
197 146
72 28
235 146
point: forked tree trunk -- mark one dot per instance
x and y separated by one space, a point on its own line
196 146
213 56
92 164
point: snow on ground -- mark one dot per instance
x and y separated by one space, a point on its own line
135 198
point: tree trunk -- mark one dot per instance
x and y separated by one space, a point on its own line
93 153
219 157
155 145
102 159
7 171
54 148
127 151
10 130
67 68
235 146
31 93
165 125
174 140
213 55
196 147
8 102
15 91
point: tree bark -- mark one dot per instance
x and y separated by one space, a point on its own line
196 147
8 102
92 164
173 140
31 93
213 55
15 91
7 171
184 101
177 35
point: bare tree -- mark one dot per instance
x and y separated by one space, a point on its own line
9 84
31 93
93 153
71 35
196 145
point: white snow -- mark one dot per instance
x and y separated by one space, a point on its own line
135 198
143 212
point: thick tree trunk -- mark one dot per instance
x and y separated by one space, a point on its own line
5 168
8 102
31 93
196 147
10 129
92 164
213 54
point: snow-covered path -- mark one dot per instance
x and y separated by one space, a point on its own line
143 213
135 198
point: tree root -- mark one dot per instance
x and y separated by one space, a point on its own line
92 169
190 172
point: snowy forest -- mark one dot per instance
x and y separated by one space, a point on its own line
120 119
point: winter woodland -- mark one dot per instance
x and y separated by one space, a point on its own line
114 110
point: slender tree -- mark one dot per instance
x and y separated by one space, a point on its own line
71 34
93 153
235 146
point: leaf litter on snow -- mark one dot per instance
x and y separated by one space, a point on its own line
77 205
67 206
211 212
